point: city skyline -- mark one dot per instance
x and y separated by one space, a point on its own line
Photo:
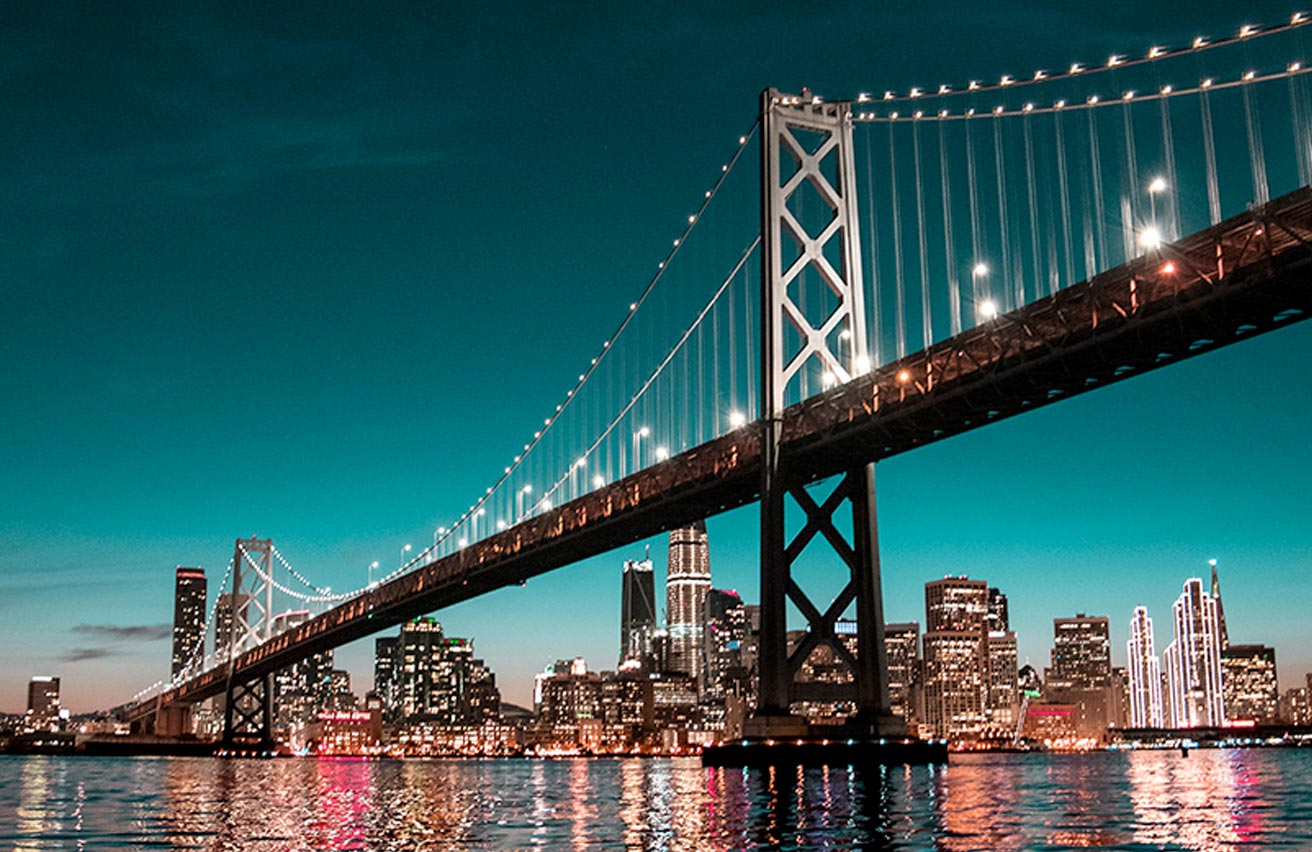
132 443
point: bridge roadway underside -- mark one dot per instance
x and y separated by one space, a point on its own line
1243 277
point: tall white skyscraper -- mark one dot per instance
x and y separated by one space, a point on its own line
1193 661
1145 673
687 580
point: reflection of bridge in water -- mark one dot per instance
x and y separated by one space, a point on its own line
837 389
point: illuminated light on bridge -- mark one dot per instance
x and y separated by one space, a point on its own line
1007 272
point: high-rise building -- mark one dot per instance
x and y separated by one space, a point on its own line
188 618
1081 673
1081 653
1145 673
1220 608
302 690
227 616
1003 698
43 711
1193 661
637 612
997 618
1248 679
724 632
386 649
436 677
955 651
902 646
687 580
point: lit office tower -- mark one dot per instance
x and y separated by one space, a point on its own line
385 675
301 690
43 704
687 580
437 677
902 644
998 619
1002 702
725 623
1081 653
955 655
1145 673
1248 676
637 612
188 617
1193 661
227 618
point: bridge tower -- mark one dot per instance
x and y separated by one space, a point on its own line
248 702
806 148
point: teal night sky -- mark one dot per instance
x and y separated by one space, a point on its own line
311 271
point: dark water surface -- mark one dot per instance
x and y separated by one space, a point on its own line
1260 799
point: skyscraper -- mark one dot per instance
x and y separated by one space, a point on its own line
725 632
227 620
902 645
687 580
998 618
1220 608
386 649
1081 673
1003 697
43 704
637 612
1145 673
301 690
1248 676
1193 661
438 678
955 655
188 617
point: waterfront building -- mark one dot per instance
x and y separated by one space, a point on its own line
637 612
43 711
567 693
437 677
687 582
1003 698
1248 681
955 650
229 612
1081 673
1296 706
1145 675
724 624
825 688
349 732
302 690
902 647
386 651
188 618
1193 661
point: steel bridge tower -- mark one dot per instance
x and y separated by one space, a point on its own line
248 702
822 154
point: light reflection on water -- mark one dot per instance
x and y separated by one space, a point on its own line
1211 800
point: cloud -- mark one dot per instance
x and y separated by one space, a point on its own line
126 632
78 655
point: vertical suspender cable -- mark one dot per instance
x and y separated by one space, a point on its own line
954 287
1173 230
1034 211
897 247
975 245
1064 189
926 318
1099 211
999 162
1209 157
875 336
1130 191
1298 124
1256 157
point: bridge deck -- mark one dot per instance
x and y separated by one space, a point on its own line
1240 278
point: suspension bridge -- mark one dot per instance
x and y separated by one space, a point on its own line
898 268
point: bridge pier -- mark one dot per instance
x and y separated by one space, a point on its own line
248 715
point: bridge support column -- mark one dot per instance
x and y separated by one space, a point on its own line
248 715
